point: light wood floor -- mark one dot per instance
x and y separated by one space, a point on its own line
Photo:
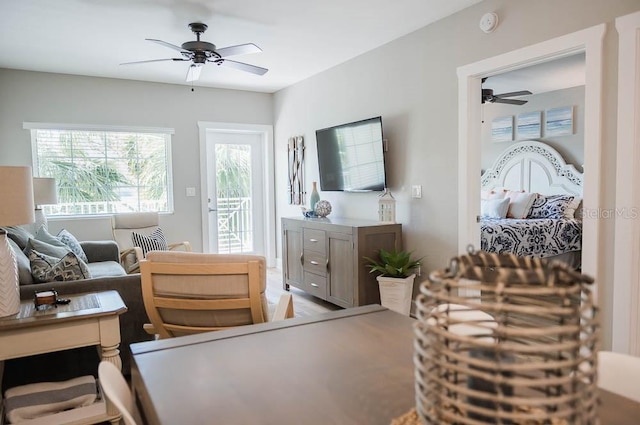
303 303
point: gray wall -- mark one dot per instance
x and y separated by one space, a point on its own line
55 98
570 147
412 83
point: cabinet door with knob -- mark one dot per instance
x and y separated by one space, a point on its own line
292 258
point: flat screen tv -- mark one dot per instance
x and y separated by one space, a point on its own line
351 156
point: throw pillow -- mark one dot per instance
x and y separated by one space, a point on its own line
494 208
154 242
552 206
46 268
70 241
46 248
19 235
520 204
43 235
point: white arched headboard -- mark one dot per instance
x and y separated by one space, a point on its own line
533 166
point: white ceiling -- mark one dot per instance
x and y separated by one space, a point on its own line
298 38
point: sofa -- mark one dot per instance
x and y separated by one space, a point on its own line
105 273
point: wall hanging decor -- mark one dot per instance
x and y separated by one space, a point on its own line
295 149
502 129
559 121
528 126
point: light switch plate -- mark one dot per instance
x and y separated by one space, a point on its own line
416 191
191 191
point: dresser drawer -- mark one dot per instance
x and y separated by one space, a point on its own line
314 240
315 285
315 262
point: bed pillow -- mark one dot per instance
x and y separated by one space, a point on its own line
552 206
571 210
494 208
520 204
154 242
45 268
72 243
493 194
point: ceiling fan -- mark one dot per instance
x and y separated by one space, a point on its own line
200 52
488 96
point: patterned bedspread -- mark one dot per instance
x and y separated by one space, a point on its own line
543 237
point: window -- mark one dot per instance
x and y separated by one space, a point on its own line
104 171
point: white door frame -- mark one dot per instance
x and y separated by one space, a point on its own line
469 134
626 290
268 186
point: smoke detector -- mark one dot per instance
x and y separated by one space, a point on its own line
489 22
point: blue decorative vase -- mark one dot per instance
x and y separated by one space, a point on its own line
315 197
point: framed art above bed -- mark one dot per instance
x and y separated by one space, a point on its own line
543 193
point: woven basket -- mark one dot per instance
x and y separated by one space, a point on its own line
506 340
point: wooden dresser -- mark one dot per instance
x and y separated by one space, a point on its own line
324 257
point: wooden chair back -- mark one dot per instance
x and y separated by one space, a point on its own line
187 292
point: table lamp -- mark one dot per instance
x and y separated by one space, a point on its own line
16 207
44 193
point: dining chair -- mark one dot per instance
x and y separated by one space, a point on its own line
189 292
149 236
117 391
619 373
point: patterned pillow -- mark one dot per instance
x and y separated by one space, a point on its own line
154 242
69 240
45 268
552 206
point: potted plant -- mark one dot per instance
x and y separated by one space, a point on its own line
395 278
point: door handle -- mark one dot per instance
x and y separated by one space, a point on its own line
315 263
212 210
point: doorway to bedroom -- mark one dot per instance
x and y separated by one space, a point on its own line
528 116
587 42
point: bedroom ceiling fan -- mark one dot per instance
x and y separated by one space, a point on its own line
488 96
200 52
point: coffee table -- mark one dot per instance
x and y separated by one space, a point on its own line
89 319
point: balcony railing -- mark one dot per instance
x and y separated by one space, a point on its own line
235 229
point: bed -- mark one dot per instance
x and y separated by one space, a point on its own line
530 204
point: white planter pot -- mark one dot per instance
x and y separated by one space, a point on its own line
396 293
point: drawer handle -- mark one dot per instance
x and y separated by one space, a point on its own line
315 263
315 285
313 240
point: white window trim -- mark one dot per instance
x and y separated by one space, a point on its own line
95 127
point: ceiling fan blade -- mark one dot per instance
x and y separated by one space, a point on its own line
240 49
509 101
514 93
156 60
242 66
193 73
169 45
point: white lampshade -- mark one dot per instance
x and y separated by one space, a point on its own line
16 196
44 191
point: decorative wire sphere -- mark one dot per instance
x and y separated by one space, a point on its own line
507 340
323 208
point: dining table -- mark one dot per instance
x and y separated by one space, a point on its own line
352 366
